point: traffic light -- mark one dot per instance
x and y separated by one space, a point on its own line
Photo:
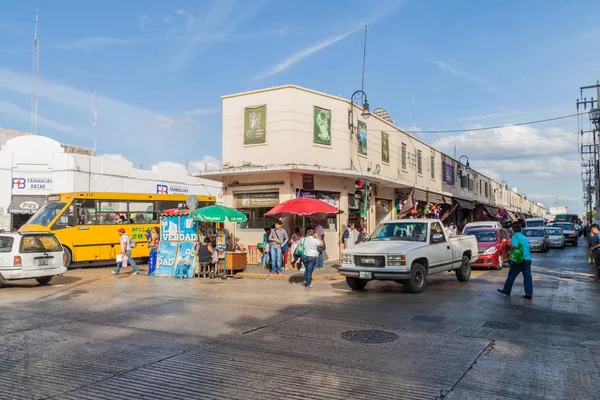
361 189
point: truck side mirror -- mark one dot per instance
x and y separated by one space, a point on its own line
437 238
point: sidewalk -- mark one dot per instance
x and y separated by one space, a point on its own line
328 272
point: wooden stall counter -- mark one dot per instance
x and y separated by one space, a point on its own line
236 261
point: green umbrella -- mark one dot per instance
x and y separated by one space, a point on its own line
218 213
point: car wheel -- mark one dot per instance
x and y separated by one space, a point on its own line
43 280
463 274
68 257
418 279
500 262
355 283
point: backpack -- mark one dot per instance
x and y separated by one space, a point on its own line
299 253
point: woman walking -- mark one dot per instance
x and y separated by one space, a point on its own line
519 241
310 244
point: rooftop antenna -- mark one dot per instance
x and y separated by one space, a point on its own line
36 80
364 60
95 121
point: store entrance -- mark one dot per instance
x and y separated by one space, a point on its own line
18 220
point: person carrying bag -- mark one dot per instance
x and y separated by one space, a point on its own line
520 262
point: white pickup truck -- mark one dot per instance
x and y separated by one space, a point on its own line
406 251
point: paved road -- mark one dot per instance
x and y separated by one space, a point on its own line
91 335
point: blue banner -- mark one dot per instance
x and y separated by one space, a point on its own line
185 259
188 230
168 229
167 253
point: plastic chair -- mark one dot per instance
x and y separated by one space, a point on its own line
181 271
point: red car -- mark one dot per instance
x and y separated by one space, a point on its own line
492 247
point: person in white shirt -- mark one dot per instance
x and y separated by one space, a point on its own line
311 243
126 254
348 237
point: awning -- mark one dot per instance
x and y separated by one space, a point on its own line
464 204
522 216
492 211
512 216
448 200
21 204
419 195
435 198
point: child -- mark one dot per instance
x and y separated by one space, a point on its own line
294 240
266 248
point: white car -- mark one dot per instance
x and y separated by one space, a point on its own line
555 237
407 251
29 255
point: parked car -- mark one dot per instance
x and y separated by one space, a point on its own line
30 255
569 232
406 251
538 241
491 242
482 224
535 222
556 237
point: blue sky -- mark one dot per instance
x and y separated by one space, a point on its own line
160 68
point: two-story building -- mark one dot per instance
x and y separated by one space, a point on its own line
285 142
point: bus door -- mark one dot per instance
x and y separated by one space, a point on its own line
82 220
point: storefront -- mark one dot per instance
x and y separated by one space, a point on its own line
22 207
255 205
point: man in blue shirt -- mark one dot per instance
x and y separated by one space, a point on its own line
595 249
515 269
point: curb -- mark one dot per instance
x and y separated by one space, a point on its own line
324 277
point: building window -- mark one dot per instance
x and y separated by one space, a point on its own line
487 190
432 167
480 187
255 206
404 156
419 162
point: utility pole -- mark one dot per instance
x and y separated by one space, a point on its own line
591 150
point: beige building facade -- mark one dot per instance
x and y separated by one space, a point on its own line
286 142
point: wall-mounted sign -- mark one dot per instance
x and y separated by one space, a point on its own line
322 125
328 197
308 182
162 188
26 182
385 147
362 138
448 172
255 125
256 200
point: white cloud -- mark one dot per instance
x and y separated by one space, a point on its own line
450 69
11 110
95 42
119 157
302 54
487 116
164 122
144 21
209 163
201 111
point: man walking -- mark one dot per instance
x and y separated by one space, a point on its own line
277 240
348 236
515 269
126 254
595 250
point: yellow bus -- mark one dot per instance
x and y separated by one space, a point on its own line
86 223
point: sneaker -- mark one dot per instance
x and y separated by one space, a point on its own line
503 292
528 297
114 273
302 269
271 273
136 273
280 273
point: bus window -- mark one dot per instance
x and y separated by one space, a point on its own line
142 212
46 214
112 212
167 205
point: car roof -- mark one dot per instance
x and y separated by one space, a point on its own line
484 229
18 234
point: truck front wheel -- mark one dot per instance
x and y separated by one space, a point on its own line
355 283
418 279
463 274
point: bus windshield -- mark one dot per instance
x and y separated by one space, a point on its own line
46 214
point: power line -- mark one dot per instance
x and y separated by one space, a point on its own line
497 126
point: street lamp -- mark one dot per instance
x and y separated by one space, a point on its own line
361 97
467 163
505 184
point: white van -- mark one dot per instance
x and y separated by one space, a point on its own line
29 255
535 223
482 224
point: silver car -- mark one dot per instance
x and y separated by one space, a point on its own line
556 237
538 241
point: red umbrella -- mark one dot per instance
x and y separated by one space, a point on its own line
304 207
175 212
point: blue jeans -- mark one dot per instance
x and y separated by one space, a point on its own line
265 260
309 265
319 263
130 260
276 260
515 270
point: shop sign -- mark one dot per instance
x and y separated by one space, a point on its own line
32 183
322 126
308 182
255 122
385 147
331 198
170 189
362 138
448 172
256 200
